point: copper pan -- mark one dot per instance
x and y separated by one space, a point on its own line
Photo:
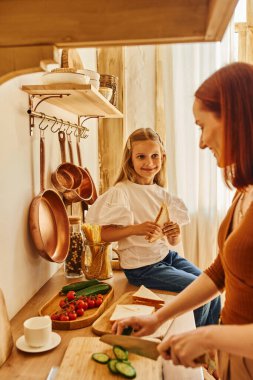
94 191
48 219
84 191
67 176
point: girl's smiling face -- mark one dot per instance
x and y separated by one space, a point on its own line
211 131
147 160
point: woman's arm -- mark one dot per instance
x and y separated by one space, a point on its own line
116 233
186 347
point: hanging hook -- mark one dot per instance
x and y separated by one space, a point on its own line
43 118
77 132
83 134
68 133
56 122
62 122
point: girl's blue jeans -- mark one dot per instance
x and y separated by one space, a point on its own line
174 273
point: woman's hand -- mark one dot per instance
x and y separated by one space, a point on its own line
186 349
172 232
142 326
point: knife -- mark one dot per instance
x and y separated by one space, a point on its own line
142 347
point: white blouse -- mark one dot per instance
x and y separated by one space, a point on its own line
129 203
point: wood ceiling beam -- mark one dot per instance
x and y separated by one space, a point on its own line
83 23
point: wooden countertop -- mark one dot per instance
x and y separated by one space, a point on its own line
25 366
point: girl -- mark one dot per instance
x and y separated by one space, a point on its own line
223 110
127 211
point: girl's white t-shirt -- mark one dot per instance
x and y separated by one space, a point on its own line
130 203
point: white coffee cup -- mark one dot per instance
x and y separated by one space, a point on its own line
37 331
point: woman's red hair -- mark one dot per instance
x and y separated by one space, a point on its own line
229 94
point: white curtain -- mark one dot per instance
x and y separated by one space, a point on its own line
172 73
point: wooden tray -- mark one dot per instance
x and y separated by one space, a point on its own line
77 363
87 319
103 325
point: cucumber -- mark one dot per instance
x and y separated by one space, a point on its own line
101 358
126 370
93 290
120 353
78 286
112 365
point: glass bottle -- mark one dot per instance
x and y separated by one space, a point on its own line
97 261
73 262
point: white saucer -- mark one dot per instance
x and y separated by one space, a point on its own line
23 346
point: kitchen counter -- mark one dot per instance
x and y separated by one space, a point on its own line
25 366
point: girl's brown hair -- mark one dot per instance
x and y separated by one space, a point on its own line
127 170
228 93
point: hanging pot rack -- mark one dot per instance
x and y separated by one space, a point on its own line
79 129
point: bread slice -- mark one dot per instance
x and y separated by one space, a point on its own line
162 218
125 311
145 296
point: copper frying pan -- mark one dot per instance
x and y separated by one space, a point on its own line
85 190
48 219
67 176
94 191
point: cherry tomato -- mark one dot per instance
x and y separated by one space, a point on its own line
85 306
80 312
63 304
100 296
71 307
98 301
72 315
64 317
80 304
55 317
91 304
71 295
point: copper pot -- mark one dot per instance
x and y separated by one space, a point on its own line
66 177
48 220
94 191
85 190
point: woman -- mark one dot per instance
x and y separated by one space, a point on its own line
223 110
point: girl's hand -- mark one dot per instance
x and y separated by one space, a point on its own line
172 232
185 349
142 326
146 229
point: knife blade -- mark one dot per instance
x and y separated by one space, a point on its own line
143 347
139 346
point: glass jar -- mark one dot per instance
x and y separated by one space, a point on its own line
97 260
73 262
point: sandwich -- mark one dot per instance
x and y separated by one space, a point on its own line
162 218
145 296
131 310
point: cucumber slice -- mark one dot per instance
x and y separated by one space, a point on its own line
120 353
100 358
112 365
126 370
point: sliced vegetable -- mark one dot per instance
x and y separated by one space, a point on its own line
93 290
126 370
112 365
78 286
120 353
100 358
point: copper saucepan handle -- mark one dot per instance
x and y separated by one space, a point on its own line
42 163
61 137
70 150
79 152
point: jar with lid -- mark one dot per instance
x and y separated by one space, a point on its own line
73 262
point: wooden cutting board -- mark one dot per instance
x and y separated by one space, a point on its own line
103 325
77 363
6 339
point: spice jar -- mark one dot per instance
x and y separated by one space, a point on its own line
73 262
97 260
